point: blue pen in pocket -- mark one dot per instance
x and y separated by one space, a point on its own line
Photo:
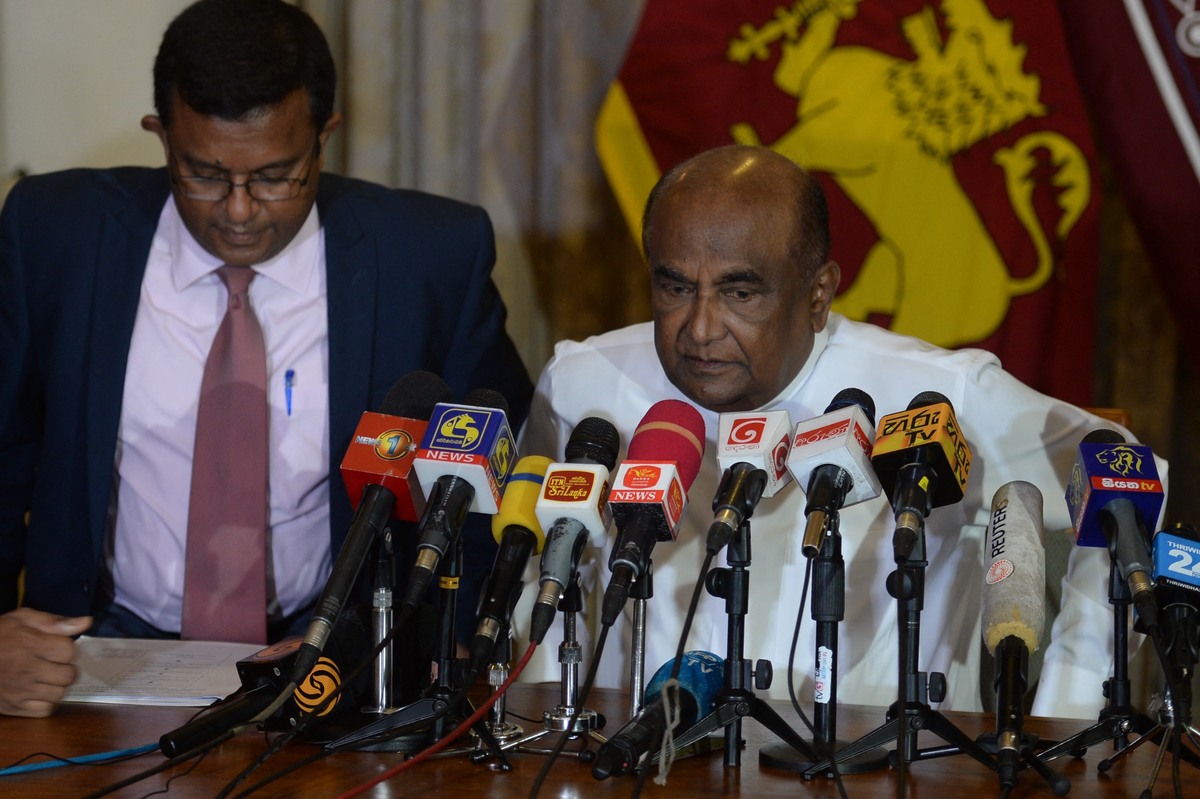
289 380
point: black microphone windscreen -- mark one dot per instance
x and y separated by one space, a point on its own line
1103 435
596 440
414 395
853 396
928 398
486 398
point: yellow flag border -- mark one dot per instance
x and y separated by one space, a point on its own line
625 156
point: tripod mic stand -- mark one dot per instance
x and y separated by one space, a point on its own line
828 609
912 713
1181 648
1162 734
1118 718
568 718
736 700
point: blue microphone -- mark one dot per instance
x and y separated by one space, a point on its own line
701 676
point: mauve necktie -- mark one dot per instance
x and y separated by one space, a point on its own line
225 582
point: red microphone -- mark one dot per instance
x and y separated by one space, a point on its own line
383 448
649 493
381 489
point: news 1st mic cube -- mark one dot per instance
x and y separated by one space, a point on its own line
382 452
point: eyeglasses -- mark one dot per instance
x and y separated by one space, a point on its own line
264 190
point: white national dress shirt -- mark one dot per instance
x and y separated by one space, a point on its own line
1014 432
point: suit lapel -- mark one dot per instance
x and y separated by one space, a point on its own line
125 236
351 283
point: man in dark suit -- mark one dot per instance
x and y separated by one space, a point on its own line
109 301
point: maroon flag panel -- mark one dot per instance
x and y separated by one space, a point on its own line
1139 65
950 137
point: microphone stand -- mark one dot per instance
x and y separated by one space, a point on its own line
828 610
568 718
1169 723
1118 718
425 721
1178 624
736 700
640 592
1011 680
912 713
383 583
503 730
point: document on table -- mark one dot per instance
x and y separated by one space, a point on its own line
137 671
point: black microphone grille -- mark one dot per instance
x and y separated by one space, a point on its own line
928 398
414 395
1103 435
596 440
487 398
853 396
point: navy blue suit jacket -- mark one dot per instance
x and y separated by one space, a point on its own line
409 287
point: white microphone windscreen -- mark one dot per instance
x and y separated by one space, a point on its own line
1014 580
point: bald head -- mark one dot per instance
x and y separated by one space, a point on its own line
761 178
737 244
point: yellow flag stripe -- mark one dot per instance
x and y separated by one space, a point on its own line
625 156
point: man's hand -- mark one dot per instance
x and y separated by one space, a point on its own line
35 660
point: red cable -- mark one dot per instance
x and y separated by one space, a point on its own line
447 739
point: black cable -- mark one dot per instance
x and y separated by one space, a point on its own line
818 744
165 765
304 718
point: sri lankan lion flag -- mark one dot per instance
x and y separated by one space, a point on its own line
950 138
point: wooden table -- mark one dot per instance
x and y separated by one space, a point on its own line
78 730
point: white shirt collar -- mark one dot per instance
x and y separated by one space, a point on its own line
820 341
190 262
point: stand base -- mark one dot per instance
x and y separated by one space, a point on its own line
583 725
346 736
782 756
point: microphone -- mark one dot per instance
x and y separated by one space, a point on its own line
831 457
261 677
752 453
922 460
573 510
737 496
377 470
649 493
519 534
1013 612
1177 559
381 451
761 439
464 462
1177 588
701 676
1114 489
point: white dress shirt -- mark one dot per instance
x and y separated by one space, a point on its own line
1014 432
181 305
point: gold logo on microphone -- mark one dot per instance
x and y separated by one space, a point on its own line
323 680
